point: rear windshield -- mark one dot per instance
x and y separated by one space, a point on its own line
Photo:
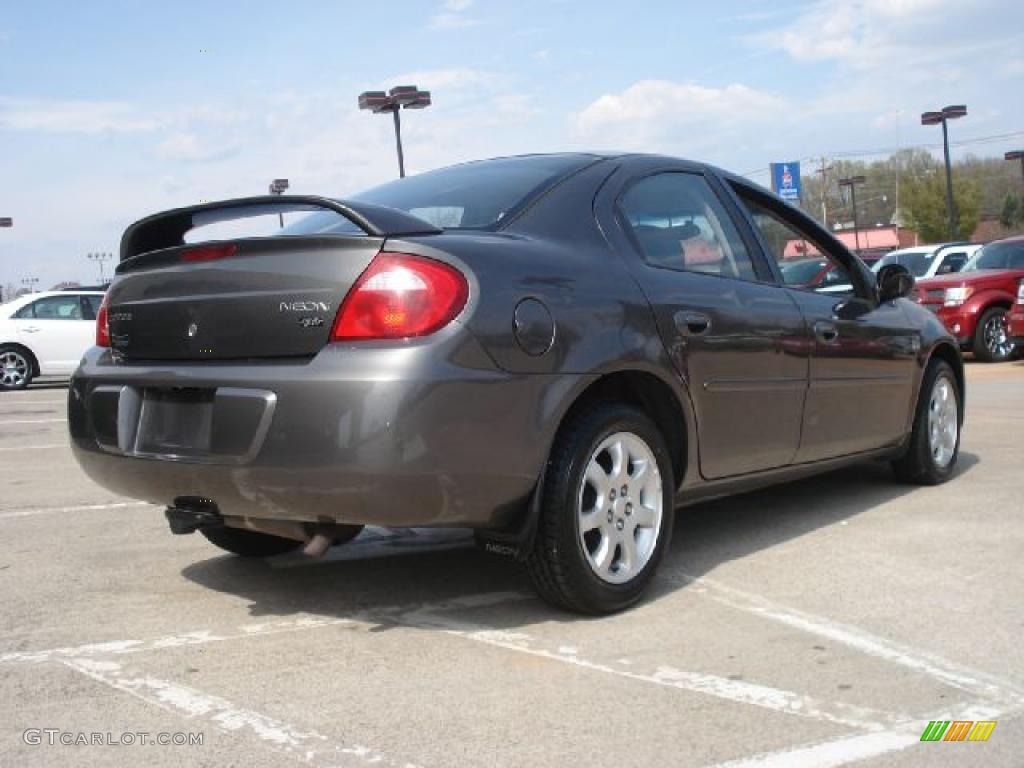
479 195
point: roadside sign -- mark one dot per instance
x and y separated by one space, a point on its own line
786 180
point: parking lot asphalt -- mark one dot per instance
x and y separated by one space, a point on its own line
820 623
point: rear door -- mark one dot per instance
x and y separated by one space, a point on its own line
864 356
740 343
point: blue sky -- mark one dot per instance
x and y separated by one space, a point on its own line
112 110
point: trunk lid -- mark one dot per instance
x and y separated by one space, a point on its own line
273 297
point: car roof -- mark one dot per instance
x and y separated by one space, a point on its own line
28 298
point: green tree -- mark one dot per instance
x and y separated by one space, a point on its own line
923 199
1011 214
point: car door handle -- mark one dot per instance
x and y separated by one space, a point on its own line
692 323
826 332
31 329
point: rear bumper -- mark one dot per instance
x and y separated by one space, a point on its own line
400 434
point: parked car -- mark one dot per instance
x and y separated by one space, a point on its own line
553 350
974 303
43 334
926 261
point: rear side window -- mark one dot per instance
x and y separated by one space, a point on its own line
679 223
479 195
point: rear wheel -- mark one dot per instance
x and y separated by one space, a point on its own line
935 439
992 342
15 368
606 511
239 541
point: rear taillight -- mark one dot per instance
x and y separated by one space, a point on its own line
400 295
102 325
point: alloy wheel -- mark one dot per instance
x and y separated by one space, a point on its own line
943 422
620 507
14 369
997 337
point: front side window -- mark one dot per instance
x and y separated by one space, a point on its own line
787 246
679 223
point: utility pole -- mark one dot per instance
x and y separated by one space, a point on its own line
822 170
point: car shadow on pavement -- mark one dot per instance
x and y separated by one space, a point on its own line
384 575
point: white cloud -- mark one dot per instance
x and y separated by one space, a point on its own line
678 118
74 116
452 21
190 147
453 15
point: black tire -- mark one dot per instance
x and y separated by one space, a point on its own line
239 541
16 367
918 465
558 564
982 345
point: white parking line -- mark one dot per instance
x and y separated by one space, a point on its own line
33 421
933 666
35 447
852 749
80 508
738 691
307 746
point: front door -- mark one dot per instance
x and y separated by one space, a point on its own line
864 353
739 343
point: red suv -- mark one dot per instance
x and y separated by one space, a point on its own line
975 303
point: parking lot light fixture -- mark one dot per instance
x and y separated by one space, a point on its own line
851 182
278 187
1017 154
942 118
100 258
398 98
31 282
6 221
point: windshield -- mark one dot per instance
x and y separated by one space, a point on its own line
478 195
1002 255
916 262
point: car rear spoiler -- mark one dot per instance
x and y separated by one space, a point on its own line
167 229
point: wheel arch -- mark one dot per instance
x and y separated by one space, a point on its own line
947 352
654 397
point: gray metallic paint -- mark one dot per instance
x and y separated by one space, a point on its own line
455 428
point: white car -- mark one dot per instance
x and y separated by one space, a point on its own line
45 334
926 261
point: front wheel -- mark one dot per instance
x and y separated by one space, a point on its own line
15 368
992 343
606 511
935 439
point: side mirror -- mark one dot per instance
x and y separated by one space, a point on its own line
894 282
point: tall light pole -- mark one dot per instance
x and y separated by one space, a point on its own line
852 182
399 97
31 282
1017 154
943 117
99 258
278 187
